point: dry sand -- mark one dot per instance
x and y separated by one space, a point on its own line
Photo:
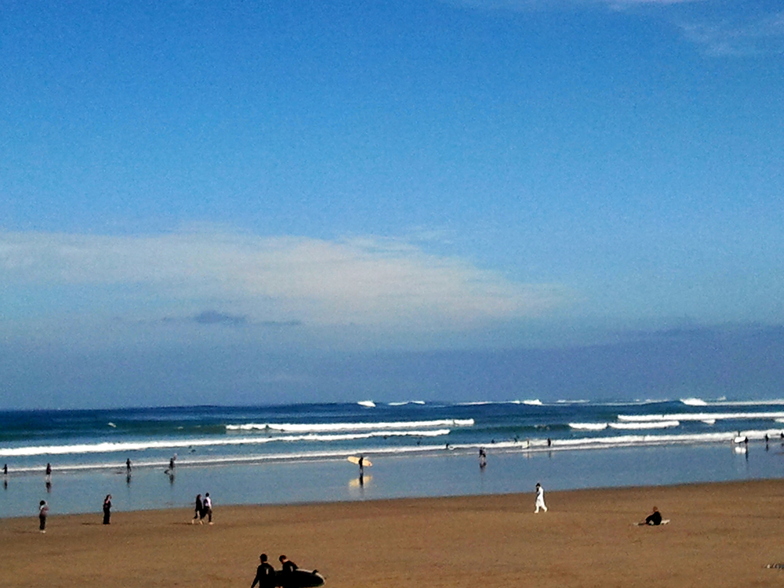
719 535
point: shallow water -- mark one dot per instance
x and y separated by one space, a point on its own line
440 473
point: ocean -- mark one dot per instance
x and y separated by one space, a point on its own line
297 453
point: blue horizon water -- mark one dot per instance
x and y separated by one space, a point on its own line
297 454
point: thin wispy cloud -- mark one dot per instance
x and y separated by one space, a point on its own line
366 281
717 28
527 5
737 35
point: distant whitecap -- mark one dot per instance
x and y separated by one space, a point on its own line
588 426
694 402
367 403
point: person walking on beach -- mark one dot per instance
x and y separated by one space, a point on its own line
207 508
540 498
107 509
265 574
43 512
482 458
288 566
198 510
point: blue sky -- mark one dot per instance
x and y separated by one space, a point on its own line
284 184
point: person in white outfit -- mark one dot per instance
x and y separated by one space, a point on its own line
540 498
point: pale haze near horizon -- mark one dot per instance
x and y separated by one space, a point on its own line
453 200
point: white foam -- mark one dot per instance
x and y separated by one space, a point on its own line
589 426
106 447
645 425
535 402
694 402
406 402
367 403
701 416
333 427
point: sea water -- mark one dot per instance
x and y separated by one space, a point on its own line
297 453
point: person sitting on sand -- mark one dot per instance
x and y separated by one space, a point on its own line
655 518
265 574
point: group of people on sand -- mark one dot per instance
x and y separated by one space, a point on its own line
202 509
267 577
653 519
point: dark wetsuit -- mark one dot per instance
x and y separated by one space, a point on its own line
265 576
284 576
107 511
43 511
654 518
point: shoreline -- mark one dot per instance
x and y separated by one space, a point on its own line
721 534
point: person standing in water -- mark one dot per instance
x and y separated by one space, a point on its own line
107 509
540 498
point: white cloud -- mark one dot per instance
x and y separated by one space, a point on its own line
738 34
526 5
364 281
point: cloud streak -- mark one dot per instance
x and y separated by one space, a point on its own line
736 36
364 281
718 29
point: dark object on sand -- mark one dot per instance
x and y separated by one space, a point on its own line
299 579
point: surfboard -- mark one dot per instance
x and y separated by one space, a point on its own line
355 460
299 579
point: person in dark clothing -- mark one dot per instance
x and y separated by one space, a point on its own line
285 575
265 574
198 510
107 509
43 512
288 565
654 518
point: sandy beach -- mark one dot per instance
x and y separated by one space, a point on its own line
720 535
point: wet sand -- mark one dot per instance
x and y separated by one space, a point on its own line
719 535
